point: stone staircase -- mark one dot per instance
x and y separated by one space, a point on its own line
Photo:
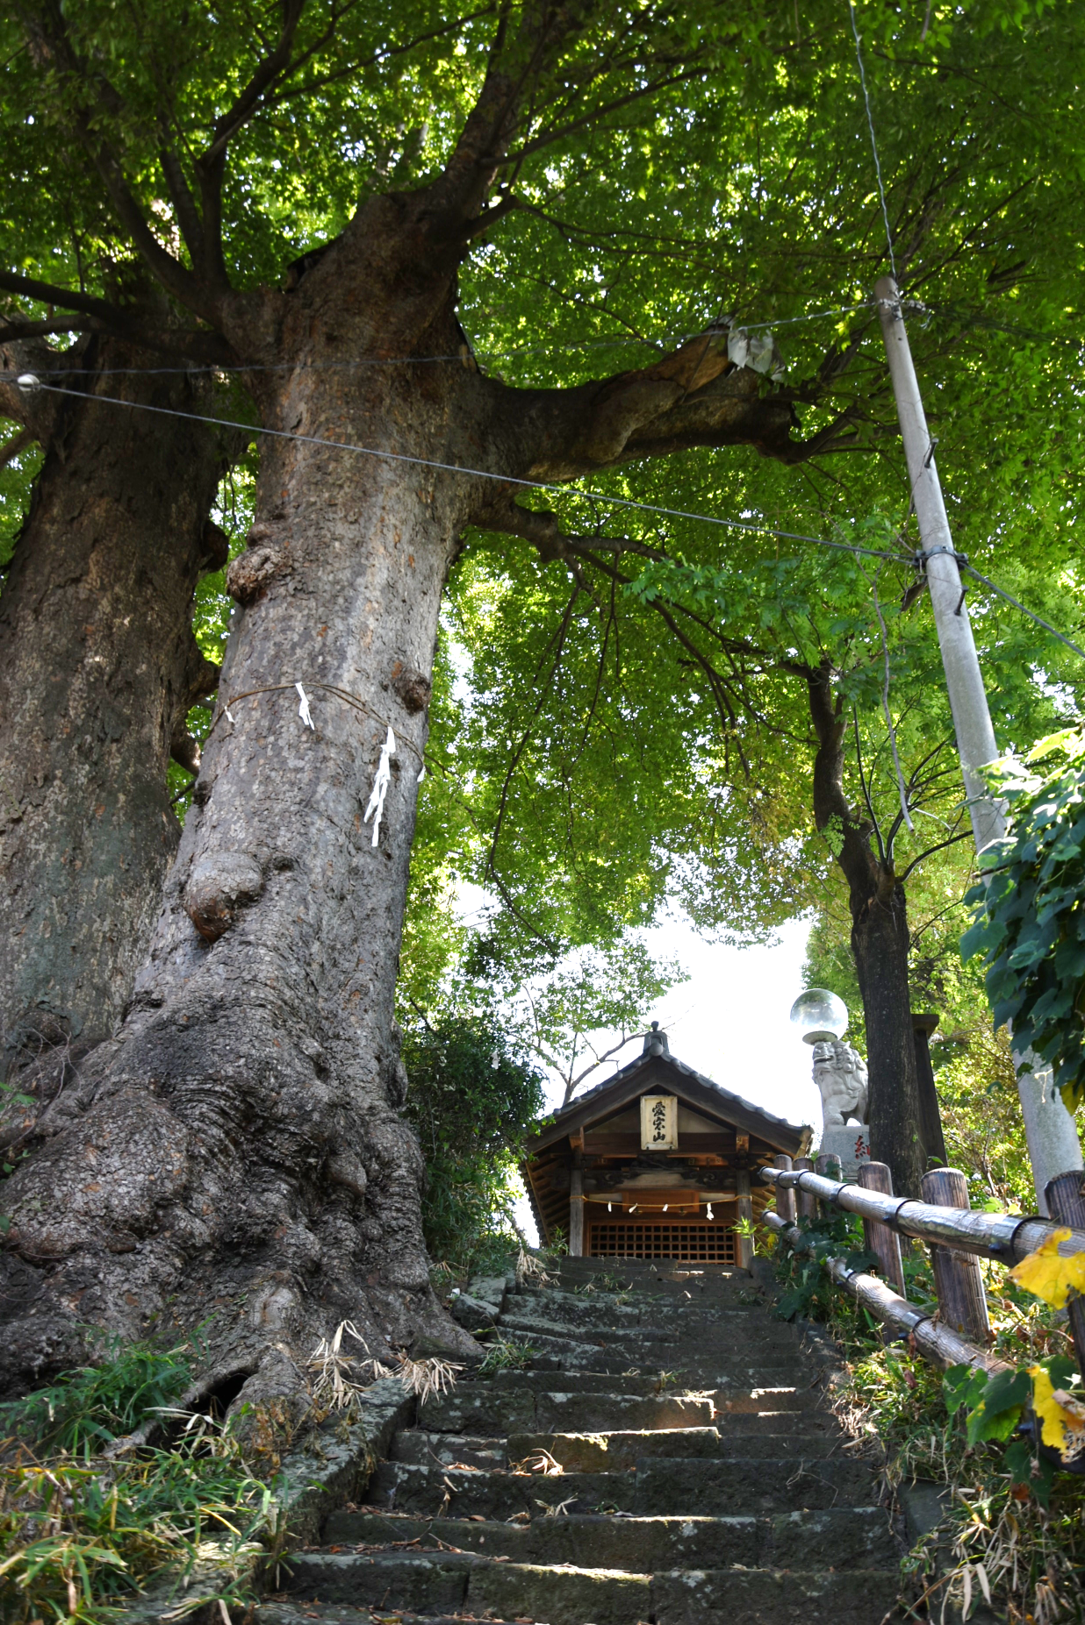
665 1460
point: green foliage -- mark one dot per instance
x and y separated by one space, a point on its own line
17 476
1031 914
472 1103
993 1405
808 1288
80 1537
1012 1522
212 606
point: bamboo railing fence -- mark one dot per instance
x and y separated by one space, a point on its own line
955 1329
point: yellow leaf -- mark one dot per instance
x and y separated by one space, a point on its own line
1057 1419
1048 1275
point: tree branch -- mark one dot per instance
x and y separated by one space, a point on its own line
962 835
11 448
193 344
693 397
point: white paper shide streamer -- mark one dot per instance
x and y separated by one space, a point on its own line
303 709
375 807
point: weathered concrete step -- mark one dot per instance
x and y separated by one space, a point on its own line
579 1382
423 1449
719 1488
775 1597
482 1408
453 1582
274 1611
524 1324
434 1492
459 1581
664 1486
595 1309
610 1451
619 1451
756 1424
853 1537
785 1397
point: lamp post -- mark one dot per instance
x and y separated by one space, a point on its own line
821 1019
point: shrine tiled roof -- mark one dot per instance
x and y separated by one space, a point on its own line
728 1098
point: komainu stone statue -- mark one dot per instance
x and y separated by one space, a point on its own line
841 1076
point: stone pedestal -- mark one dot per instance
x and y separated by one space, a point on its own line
848 1141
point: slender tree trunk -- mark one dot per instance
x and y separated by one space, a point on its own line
98 667
880 944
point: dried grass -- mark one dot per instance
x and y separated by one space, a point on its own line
539 1461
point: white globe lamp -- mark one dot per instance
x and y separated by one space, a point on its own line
819 1016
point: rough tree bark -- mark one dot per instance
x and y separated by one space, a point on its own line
880 944
98 668
236 1150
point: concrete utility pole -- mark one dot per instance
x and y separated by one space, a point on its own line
1053 1143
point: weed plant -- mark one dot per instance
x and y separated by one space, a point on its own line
1012 1542
506 1355
80 1530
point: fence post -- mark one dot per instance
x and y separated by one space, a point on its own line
744 1250
785 1199
880 1240
958 1280
828 1166
930 1117
807 1204
1066 1202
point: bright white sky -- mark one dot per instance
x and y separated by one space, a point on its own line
730 1021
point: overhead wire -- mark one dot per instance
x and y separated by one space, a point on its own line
657 510
623 342
626 503
1010 599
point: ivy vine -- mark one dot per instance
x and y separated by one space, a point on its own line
1030 923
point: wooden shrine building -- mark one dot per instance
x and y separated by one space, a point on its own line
658 1162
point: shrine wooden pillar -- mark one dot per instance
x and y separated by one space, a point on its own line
576 1213
744 1244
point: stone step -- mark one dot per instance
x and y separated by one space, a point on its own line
747 1333
856 1537
756 1424
775 1597
433 1492
461 1582
482 1408
423 1449
721 1488
454 1582
619 1451
784 1397
549 1326
663 1486
275 1611
579 1382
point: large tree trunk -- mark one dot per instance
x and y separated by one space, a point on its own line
236 1152
98 667
880 944
239 1141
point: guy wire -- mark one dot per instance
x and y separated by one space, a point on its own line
873 142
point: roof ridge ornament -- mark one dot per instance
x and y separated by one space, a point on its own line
655 1041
